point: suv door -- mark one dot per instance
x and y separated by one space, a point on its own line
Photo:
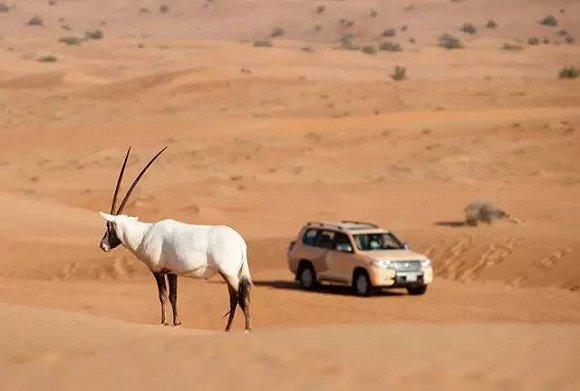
312 251
339 258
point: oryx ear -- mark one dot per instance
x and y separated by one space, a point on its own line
108 217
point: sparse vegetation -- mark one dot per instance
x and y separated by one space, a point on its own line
4 7
47 58
66 27
389 46
533 41
307 49
164 8
569 39
346 41
512 46
550 21
70 40
320 9
404 27
277 32
346 22
373 13
94 34
389 33
52 3
263 43
468 28
491 24
35 21
562 33
369 49
144 10
399 74
569 73
448 41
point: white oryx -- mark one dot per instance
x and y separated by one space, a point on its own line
171 248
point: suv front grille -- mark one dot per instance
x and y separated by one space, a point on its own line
408 266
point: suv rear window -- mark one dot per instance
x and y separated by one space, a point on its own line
310 237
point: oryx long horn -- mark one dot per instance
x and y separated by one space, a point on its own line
119 180
124 203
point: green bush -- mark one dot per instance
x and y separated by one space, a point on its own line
389 46
47 58
264 43
70 40
389 33
400 73
369 50
549 20
35 21
448 41
569 73
94 34
468 28
277 32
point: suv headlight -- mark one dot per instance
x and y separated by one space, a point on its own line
382 264
426 263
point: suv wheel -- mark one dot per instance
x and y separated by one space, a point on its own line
306 277
417 290
361 284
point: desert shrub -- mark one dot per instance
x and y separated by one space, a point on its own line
94 34
569 39
569 73
320 9
448 41
562 33
389 33
373 13
163 8
4 7
66 27
549 20
70 40
47 58
52 3
399 73
35 21
511 46
369 49
533 41
346 41
491 24
468 28
389 46
263 43
345 22
277 32
404 27
307 49
144 10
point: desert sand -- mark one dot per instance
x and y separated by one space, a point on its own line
264 139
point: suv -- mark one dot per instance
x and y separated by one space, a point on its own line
362 255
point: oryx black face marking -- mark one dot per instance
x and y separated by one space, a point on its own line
110 239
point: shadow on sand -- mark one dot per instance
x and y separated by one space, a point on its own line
342 290
452 224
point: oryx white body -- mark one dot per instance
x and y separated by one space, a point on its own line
184 249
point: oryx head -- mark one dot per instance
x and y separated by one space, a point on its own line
110 239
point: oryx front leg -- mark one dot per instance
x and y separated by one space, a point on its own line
172 280
162 287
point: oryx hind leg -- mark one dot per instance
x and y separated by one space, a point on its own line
172 280
232 290
162 287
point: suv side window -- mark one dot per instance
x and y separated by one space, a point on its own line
342 242
326 239
311 237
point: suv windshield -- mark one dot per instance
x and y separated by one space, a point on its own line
377 241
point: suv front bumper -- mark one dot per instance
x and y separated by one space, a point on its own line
390 277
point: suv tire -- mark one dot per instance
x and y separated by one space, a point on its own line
306 277
417 290
361 284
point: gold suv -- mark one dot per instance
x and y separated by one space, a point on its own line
362 255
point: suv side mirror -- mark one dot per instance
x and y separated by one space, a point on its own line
345 248
406 245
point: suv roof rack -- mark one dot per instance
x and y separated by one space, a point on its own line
359 223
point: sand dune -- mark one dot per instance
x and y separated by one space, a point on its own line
266 138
